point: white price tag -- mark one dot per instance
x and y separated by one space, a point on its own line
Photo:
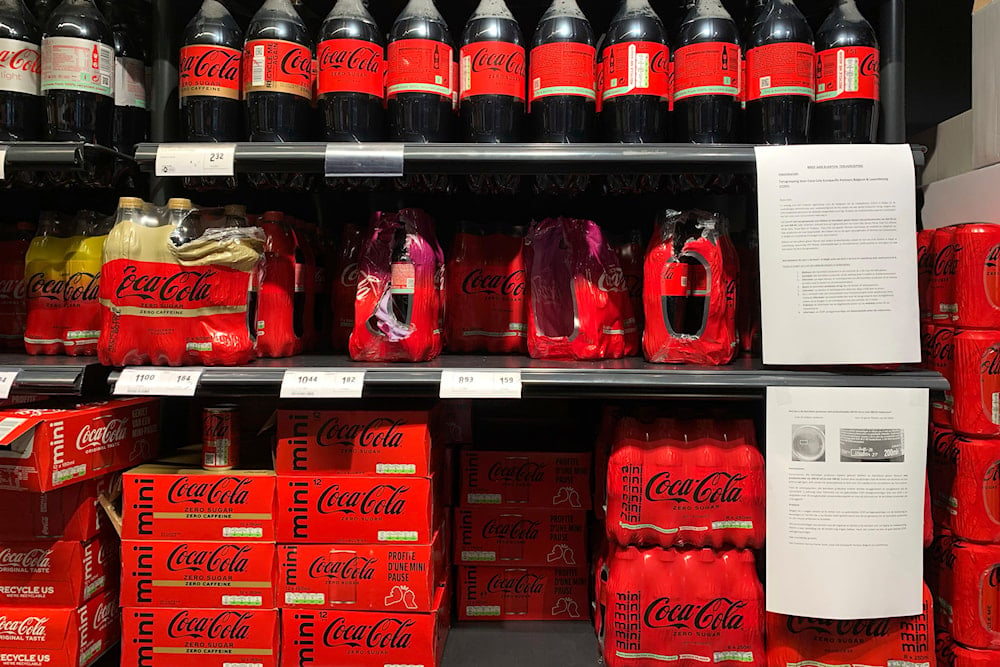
6 382
3 161
480 384
195 159
158 381
322 384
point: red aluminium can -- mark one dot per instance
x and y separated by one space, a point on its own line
220 427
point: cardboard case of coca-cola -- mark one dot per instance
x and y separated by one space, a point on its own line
530 593
168 636
352 509
70 513
526 479
951 654
168 502
57 573
62 637
44 448
389 577
365 638
520 536
198 574
358 443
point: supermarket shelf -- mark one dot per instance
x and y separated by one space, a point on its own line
523 159
522 644
624 377
55 375
55 156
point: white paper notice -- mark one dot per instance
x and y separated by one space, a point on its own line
838 254
845 501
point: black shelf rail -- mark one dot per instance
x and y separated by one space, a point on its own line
55 155
520 159
631 377
55 375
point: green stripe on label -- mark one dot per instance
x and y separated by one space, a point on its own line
638 526
565 90
787 90
707 90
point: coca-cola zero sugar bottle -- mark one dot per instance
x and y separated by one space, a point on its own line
78 74
210 66
20 73
781 81
847 78
419 82
706 61
351 76
277 74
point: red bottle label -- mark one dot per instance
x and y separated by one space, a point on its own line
351 66
635 68
209 71
709 68
670 85
277 66
492 68
848 73
781 69
419 66
563 68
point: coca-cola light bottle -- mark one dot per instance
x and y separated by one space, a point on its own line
209 89
78 74
706 61
351 76
20 73
781 81
847 78
492 71
277 74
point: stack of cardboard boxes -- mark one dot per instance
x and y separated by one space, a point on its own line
58 555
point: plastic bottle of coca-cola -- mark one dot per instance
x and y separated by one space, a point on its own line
351 76
847 78
277 74
79 91
781 82
210 66
20 73
419 82
131 123
706 75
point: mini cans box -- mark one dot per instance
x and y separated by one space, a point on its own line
70 513
526 479
63 637
43 449
389 577
167 636
489 593
365 638
166 502
349 509
198 574
528 536
355 443
56 573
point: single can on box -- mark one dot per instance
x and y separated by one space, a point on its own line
220 426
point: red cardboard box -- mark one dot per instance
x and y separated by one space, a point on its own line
391 577
167 637
350 509
163 502
56 573
365 638
526 479
198 574
64 637
70 513
44 449
488 593
528 536
355 443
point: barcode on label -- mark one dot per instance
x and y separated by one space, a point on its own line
259 66
765 82
996 407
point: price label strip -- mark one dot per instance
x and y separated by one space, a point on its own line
3 162
158 381
480 384
322 384
195 159
373 160
6 382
